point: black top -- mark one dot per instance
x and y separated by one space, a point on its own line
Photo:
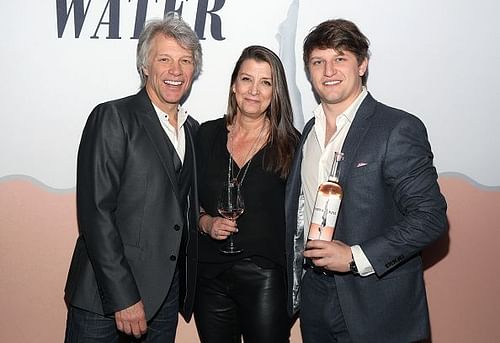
261 228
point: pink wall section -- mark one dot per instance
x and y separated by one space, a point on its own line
38 230
463 286
37 234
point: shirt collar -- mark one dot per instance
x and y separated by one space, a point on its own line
181 115
348 114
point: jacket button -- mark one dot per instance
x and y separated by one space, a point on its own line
172 258
177 227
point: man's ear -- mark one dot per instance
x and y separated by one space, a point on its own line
363 66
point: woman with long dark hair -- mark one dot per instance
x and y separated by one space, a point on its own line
252 147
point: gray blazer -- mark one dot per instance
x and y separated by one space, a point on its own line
392 208
129 213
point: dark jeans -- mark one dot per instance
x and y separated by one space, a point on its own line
321 318
244 300
87 327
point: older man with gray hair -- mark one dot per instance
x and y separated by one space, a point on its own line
134 264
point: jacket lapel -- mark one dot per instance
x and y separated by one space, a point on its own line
356 134
147 116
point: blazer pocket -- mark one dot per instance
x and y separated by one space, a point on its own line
364 170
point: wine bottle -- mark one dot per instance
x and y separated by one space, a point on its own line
327 204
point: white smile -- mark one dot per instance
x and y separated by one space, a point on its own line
172 82
331 83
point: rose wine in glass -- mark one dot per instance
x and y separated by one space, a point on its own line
230 206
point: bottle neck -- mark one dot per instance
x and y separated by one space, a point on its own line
335 170
333 178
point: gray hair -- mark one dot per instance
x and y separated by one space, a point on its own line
173 26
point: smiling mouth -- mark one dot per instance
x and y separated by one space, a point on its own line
331 83
252 100
172 83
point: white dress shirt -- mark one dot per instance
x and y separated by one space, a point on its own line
175 134
317 162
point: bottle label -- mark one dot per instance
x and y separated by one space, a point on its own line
324 217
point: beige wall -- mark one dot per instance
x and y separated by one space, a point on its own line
38 230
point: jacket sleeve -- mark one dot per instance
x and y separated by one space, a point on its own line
101 159
409 174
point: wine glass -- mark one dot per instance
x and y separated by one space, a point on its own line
230 205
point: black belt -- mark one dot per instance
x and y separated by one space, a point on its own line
318 270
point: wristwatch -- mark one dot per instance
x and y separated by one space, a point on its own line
353 268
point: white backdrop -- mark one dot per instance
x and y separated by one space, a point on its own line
436 59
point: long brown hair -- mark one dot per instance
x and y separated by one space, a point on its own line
283 136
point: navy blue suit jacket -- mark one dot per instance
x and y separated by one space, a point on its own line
392 208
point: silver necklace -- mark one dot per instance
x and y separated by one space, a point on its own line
230 178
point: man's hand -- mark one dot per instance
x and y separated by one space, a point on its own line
132 320
334 255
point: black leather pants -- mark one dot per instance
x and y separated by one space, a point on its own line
244 300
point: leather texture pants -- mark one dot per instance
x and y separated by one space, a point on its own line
245 300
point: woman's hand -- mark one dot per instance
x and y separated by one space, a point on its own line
217 227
